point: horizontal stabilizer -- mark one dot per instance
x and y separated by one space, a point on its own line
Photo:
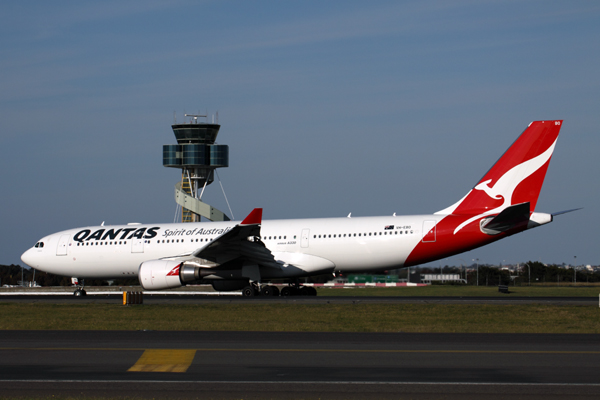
511 217
566 211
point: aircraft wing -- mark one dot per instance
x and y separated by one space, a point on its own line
242 241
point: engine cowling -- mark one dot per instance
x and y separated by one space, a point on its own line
169 274
160 274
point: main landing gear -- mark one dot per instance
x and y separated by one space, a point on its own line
298 291
270 290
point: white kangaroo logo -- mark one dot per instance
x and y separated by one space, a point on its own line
506 185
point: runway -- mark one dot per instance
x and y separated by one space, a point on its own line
185 298
150 364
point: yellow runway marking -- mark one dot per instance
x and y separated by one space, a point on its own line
164 361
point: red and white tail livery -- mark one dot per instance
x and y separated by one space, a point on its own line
250 254
508 192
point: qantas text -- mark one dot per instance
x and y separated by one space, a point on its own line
142 233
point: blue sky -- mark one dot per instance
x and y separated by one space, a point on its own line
328 108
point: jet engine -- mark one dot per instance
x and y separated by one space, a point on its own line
169 274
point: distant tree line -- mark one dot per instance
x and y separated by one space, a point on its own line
488 275
541 273
11 275
491 275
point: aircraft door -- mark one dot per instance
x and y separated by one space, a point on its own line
429 231
304 238
63 242
137 245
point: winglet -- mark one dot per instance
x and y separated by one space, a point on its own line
255 217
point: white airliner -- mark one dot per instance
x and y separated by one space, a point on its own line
250 254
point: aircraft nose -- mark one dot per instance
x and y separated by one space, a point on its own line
28 258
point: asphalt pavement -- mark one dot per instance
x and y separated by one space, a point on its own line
252 365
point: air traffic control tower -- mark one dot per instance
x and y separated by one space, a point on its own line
197 155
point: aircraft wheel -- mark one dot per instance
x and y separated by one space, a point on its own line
269 291
312 291
305 291
79 293
287 291
248 291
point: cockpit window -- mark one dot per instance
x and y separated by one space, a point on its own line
39 245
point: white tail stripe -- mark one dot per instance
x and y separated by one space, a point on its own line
506 185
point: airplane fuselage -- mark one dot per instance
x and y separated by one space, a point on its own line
350 244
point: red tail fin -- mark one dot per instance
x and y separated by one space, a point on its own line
517 176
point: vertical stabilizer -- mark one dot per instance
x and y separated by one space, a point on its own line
516 177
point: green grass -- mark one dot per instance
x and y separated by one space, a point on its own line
466 291
533 318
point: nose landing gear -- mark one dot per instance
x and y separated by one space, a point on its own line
80 291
